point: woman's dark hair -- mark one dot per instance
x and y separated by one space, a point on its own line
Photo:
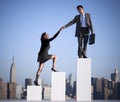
42 36
79 6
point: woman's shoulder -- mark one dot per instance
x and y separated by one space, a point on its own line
45 41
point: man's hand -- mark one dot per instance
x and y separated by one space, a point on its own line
61 28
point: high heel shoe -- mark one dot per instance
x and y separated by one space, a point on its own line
53 69
36 83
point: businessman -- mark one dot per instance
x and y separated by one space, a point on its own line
83 28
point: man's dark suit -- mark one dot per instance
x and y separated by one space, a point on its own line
78 33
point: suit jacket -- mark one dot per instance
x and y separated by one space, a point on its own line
78 23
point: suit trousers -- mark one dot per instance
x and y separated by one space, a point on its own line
82 41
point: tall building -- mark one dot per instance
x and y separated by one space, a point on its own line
74 90
115 76
70 79
3 89
98 89
46 92
69 85
13 71
28 81
19 91
11 90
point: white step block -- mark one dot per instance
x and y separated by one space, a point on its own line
34 93
58 86
84 79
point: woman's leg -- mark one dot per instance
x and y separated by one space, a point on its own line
38 72
54 62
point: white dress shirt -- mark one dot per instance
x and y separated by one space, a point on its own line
83 20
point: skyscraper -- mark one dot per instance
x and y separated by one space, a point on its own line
28 81
70 79
13 72
115 76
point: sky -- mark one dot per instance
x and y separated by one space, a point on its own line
23 21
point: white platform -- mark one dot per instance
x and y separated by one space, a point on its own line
34 93
83 79
58 86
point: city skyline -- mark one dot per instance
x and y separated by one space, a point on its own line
101 88
23 22
69 76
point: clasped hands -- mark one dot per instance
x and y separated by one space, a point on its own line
62 28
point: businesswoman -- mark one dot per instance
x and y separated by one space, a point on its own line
43 55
